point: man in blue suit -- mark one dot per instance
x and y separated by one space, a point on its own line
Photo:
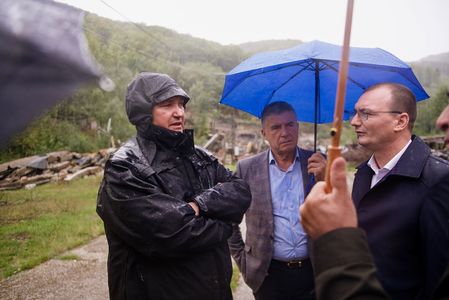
406 225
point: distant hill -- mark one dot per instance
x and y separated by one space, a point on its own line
432 71
251 48
442 57
437 61
123 49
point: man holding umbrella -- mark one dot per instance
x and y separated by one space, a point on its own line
274 257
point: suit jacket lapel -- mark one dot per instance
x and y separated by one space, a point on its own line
417 152
262 173
306 177
362 183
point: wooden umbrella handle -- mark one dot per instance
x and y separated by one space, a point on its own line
334 150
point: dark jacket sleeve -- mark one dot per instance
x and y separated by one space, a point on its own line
226 201
434 226
148 219
442 290
344 267
235 242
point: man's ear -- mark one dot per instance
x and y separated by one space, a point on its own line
262 132
402 122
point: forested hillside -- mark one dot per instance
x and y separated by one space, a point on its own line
88 120
251 48
433 73
124 49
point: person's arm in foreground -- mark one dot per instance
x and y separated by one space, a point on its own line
235 242
343 265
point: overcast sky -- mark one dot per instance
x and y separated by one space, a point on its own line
409 29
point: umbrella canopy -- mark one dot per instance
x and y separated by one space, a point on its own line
43 58
306 77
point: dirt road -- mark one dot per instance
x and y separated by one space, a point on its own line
84 278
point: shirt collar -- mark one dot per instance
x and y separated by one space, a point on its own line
272 161
389 165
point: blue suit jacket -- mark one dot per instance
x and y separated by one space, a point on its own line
406 218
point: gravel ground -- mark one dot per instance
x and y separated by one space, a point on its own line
84 278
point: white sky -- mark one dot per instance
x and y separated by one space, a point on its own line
409 29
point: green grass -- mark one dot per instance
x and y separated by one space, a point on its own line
42 223
38 224
235 278
231 167
69 257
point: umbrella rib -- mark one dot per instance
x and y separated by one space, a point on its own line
300 63
349 78
291 77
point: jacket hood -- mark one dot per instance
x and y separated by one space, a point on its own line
144 92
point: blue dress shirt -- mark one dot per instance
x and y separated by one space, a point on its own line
287 193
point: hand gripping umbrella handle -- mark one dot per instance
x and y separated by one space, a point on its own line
334 150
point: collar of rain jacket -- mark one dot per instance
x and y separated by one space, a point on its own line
180 142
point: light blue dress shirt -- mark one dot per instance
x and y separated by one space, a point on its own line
287 193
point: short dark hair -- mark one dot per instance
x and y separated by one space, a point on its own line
276 108
402 99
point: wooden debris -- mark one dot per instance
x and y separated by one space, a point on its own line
31 171
84 172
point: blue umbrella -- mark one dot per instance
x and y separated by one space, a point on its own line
306 76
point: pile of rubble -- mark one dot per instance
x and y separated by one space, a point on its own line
64 165
55 166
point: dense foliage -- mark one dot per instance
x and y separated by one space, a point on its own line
87 120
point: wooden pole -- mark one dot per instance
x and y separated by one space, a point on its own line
334 150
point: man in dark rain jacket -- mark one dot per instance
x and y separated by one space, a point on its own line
344 267
167 206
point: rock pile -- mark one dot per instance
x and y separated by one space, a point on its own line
55 166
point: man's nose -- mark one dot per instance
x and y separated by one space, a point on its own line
355 120
284 131
179 111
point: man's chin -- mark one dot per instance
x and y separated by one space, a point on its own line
286 148
363 142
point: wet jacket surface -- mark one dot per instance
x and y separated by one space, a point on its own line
406 219
158 248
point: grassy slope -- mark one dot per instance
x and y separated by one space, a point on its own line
38 224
